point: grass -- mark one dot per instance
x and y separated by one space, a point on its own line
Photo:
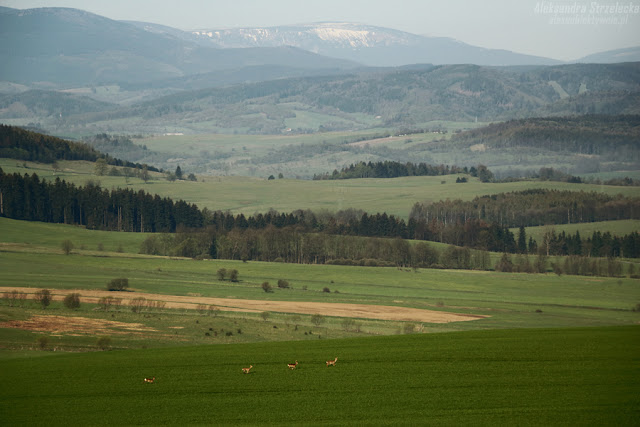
582 376
250 195
616 228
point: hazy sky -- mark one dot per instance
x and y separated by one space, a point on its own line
558 29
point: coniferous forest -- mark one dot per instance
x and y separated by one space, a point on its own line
27 197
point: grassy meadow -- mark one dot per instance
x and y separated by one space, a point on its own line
551 350
31 256
585 376
250 195
616 228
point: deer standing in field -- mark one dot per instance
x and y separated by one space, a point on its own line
332 362
150 380
293 365
246 370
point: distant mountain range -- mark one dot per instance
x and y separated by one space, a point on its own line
369 45
62 46
54 48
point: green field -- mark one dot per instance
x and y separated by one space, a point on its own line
250 195
616 228
584 376
30 256
552 350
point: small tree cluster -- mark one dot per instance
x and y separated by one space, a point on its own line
43 297
106 302
283 284
138 304
72 301
223 273
14 298
119 284
317 319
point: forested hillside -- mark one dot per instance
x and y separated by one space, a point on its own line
398 98
609 136
17 143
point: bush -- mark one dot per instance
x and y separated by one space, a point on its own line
409 328
72 301
265 315
348 324
67 246
43 297
105 303
283 284
233 275
104 343
15 298
266 287
505 265
326 289
222 273
43 342
138 304
118 284
317 319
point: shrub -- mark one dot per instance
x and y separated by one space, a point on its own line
72 301
409 328
14 298
266 287
43 297
118 284
138 304
67 246
326 289
317 319
348 324
505 265
283 284
233 275
104 343
265 315
222 273
105 303
43 342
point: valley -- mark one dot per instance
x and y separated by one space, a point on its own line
327 223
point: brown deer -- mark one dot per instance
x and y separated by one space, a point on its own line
246 370
293 365
150 380
332 362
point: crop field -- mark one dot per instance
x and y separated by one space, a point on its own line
31 258
250 195
585 376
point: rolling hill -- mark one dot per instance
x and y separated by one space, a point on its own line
70 47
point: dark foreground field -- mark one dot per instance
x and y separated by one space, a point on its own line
581 376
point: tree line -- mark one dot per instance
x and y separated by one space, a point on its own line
530 208
21 144
27 197
391 169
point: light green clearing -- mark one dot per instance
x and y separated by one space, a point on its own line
251 195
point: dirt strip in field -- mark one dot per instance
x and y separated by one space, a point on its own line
362 311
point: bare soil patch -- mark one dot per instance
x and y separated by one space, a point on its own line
377 141
77 325
362 311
